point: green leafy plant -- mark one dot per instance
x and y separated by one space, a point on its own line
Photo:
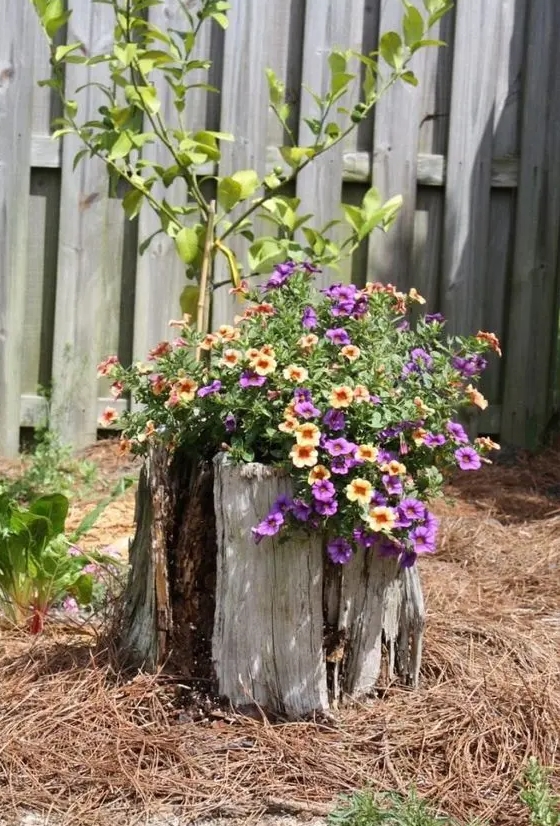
344 389
141 56
364 808
538 796
39 561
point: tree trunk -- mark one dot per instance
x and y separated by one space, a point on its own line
276 624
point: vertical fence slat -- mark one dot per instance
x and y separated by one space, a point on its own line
84 232
467 191
395 151
17 38
533 303
329 24
160 274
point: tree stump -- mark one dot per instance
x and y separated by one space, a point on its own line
277 624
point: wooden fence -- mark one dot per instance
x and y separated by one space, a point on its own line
475 151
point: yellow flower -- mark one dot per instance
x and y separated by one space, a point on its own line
252 353
361 393
491 339
318 473
475 397
341 396
263 364
209 341
308 434
394 468
308 342
303 455
268 350
185 389
414 295
108 417
367 453
422 408
381 519
486 443
289 425
418 436
359 490
296 374
228 333
230 358
350 352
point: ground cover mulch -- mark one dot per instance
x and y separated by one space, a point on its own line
91 746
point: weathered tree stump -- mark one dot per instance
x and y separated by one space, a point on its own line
275 624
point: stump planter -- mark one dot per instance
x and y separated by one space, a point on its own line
274 624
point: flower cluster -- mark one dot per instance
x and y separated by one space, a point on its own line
351 393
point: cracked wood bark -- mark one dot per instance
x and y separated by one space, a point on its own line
276 625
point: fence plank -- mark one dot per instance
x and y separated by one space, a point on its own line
465 243
84 234
17 38
533 302
329 24
395 150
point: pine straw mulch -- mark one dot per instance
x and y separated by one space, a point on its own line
91 747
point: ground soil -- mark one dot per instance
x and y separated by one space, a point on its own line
89 745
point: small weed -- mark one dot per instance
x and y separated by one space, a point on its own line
364 808
537 795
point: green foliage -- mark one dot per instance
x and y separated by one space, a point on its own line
131 118
364 808
39 563
537 795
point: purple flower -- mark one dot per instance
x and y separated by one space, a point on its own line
388 547
408 559
342 464
306 410
339 551
469 366
326 508
457 433
343 292
342 308
338 336
434 318
412 509
434 439
421 358
282 505
334 419
385 456
403 326
215 387
309 267
378 500
363 538
302 394
281 274
230 423
408 369
251 379
309 318
323 490
431 522
301 510
70 605
339 447
73 550
393 485
374 400
467 458
269 526
423 540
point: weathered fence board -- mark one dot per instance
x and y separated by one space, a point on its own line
473 150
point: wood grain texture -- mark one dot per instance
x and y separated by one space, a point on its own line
18 30
533 310
268 632
467 193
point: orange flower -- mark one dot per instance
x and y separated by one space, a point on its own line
308 342
350 352
303 455
296 374
290 409
108 417
150 428
289 425
142 369
124 445
394 468
160 349
475 397
252 353
414 295
228 333
359 490
491 339
418 436
381 519
367 453
209 341
268 350
243 289
422 408
308 434
263 365
183 322
341 396
105 368
486 443
184 390
264 309
230 358
361 393
372 287
318 473
117 389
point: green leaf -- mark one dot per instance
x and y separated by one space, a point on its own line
121 147
276 88
78 157
53 507
354 216
83 589
186 242
413 25
62 51
71 108
145 97
391 49
147 241
189 300
295 155
132 202
221 19
371 202
339 84
229 193
248 180
54 17
410 77
264 254
422 43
